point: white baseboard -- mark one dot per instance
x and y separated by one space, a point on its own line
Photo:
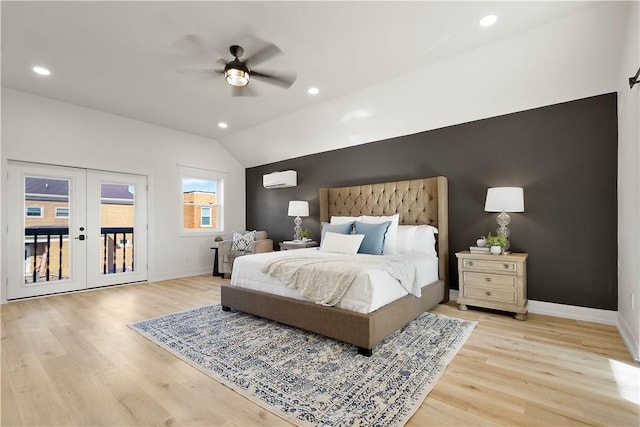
170 275
630 341
607 317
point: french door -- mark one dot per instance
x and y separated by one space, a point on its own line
71 229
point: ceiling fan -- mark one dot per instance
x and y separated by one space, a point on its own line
239 72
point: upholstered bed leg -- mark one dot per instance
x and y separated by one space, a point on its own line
225 308
365 351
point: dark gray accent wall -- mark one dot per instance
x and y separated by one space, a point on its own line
564 156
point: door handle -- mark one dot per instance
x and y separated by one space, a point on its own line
82 236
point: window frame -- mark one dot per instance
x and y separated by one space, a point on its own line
40 215
202 216
61 216
217 209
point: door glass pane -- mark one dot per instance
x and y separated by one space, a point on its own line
46 234
117 218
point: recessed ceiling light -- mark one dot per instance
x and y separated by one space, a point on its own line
222 125
41 70
313 91
488 20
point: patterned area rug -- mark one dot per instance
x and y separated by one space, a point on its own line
306 378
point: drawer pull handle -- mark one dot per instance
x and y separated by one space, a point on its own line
506 266
470 263
488 293
488 279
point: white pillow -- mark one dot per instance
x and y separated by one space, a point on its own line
341 243
406 237
424 241
391 238
344 219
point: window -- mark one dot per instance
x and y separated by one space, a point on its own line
205 217
34 211
202 200
62 212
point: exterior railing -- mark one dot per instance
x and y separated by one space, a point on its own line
115 256
109 255
47 233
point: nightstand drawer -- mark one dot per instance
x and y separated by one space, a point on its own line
486 279
489 293
495 266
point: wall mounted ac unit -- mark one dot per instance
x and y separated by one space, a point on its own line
280 179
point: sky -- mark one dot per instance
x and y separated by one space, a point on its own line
198 184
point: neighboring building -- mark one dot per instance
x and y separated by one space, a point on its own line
199 210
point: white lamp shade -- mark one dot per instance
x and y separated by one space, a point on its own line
298 208
507 199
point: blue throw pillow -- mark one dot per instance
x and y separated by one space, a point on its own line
374 234
336 228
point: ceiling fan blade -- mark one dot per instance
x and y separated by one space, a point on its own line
262 55
198 73
197 45
282 80
242 91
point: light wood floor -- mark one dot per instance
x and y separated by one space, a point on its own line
71 360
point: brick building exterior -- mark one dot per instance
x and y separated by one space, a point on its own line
199 210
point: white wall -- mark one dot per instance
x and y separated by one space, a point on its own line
569 59
629 188
41 130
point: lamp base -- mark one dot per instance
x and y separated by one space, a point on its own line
297 230
503 220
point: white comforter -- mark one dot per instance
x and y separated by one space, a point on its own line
373 288
323 279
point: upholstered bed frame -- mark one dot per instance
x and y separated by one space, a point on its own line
418 201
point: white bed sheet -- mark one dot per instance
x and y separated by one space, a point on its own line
371 290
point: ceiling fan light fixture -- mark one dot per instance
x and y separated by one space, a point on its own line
236 77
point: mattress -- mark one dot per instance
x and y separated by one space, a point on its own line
371 290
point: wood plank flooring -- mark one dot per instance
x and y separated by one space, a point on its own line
71 360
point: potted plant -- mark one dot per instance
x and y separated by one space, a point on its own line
305 234
497 243
217 240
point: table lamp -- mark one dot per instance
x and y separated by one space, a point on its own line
503 200
298 208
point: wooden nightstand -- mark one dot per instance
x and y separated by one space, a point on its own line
290 244
493 281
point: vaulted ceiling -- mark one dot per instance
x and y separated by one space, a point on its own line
129 58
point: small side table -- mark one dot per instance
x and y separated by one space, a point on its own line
216 273
493 281
292 244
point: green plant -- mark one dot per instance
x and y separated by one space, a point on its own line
218 239
306 233
496 240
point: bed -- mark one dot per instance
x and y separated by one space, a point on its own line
417 202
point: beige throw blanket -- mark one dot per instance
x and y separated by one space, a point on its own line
325 279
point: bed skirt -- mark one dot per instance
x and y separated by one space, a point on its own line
361 330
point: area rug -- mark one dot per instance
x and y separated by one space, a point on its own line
309 379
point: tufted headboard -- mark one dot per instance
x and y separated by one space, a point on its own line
417 201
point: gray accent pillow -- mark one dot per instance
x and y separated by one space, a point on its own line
374 235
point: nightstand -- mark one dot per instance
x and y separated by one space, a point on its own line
493 281
291 244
